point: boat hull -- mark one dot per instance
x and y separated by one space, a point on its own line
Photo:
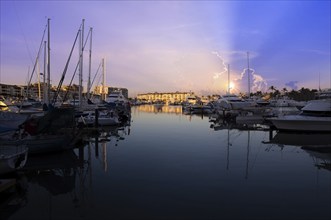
11 120
43 143
302 123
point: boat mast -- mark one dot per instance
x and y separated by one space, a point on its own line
89 71
103 79
228 78
38 77
44 75
81 48
48 63
248 76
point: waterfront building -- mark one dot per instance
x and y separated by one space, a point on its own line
36 91
10 90
166 97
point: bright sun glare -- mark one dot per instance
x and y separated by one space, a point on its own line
232 86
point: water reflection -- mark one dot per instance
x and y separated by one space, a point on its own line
159 108
62 173
313 140
109 136
14 199
233 131
56 174
65 176
317 145
163 167
322 160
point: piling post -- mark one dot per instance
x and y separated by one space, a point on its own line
96 122
97 146
270 134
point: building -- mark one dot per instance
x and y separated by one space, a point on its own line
10 90
169 97
36 91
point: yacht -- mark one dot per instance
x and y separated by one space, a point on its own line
232 102
105 118
323 94
191 100
116 97
315 116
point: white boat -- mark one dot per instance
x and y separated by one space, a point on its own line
116 97
323 94
191 100
198 109
12 158
232 102
286 102
105 118
11 120
315 116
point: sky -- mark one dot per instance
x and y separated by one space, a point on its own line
169 46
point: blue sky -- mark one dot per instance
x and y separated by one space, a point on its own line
168 46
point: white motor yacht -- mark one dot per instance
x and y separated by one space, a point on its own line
232 102
315 116
116 97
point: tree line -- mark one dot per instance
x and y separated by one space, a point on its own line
303 94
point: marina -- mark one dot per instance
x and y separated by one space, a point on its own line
128 110
167 164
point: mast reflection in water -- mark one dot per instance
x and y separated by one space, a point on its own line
167 165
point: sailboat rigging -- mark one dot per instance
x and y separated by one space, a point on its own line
65 70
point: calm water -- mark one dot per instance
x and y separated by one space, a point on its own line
167 165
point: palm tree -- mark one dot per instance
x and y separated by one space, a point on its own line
284 90
272 88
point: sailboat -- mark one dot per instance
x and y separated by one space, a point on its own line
229 105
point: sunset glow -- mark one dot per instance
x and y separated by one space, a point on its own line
168 46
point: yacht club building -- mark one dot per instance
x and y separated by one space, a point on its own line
167 97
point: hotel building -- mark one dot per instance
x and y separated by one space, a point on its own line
167 97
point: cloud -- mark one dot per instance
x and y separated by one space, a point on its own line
257 82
